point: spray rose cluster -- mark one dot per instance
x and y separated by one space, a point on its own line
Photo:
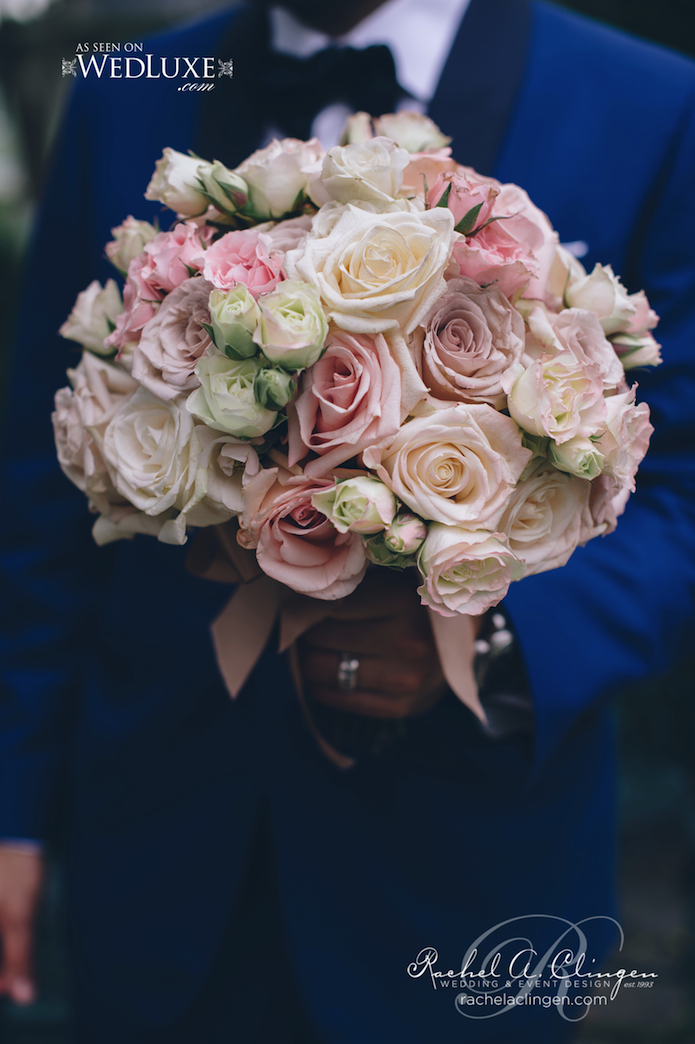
366 355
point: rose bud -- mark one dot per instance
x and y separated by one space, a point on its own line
360 505
175 184
274 388
224 188
405 534
129 240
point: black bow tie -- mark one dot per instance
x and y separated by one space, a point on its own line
269 89
292 91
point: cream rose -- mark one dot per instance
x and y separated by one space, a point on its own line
465 571
543 519
376 272
129 241
457 466
292 328
175 184
625 440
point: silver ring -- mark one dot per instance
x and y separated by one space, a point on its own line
347 672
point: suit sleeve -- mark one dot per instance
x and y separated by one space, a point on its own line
622 608
46 564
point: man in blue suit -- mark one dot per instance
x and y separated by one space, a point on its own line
226 881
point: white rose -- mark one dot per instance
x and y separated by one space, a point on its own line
371 172
360 505
465 571
93 317
225 400
175 183
279 174
411 130
225 189
602 293
293 327
544 517
234 316
457 466
641 349
128 242
377 272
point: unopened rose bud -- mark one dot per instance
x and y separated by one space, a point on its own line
578 456
128 242
378 553
293 327
224 188
361 505
274 388
235 316
405 534
175 184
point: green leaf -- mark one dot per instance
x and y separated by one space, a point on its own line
467 222
444 198
191 271
210 332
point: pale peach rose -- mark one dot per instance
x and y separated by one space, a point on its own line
472 336
174 340
377 272
294 541
423 170
457 466
348 400
465 571
543 518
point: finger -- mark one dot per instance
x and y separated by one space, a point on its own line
16 972
386 676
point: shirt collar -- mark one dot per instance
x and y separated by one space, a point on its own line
419 36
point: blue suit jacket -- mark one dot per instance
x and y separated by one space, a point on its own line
108 673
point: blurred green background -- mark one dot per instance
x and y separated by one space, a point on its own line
657 721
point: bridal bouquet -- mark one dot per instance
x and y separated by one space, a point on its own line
370 354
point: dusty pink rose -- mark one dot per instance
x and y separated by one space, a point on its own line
473 335
465 571
516 251
295 543
464 195
141 299
174 340
247 257
348 400
171 255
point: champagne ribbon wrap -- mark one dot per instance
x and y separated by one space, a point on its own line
241 631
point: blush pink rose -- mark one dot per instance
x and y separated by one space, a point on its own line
348 400
171 255
464 194
516 251
174 340
247 257
295 543
141 300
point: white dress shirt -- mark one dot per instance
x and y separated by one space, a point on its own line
419 36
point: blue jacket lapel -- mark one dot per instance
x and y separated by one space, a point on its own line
477 92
